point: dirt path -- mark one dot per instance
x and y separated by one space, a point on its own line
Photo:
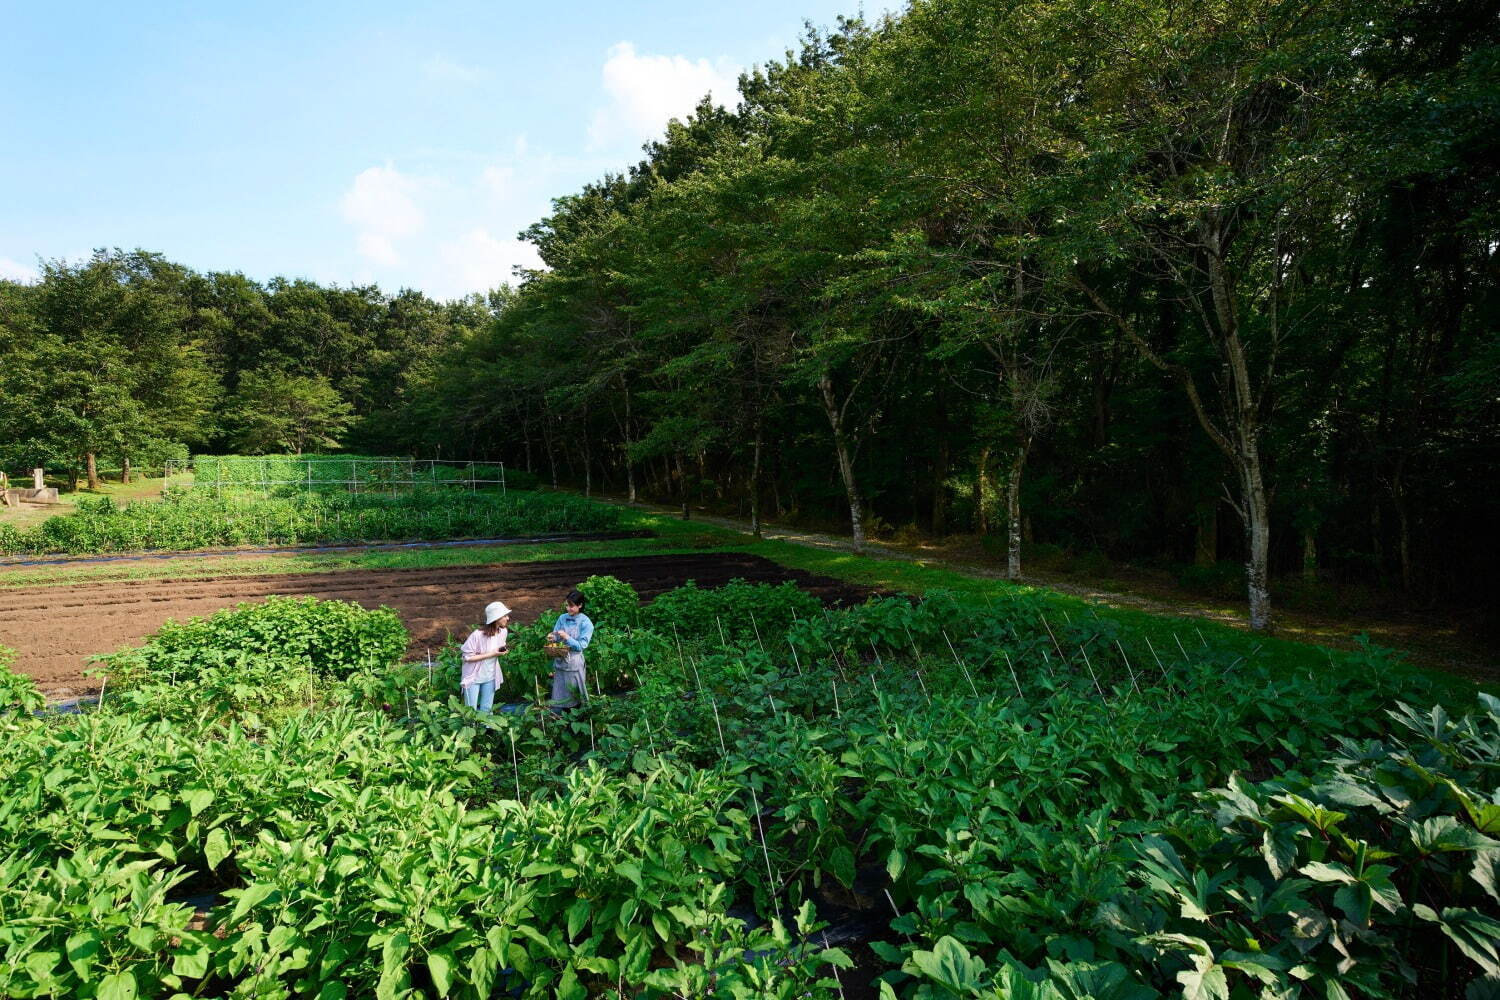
55 629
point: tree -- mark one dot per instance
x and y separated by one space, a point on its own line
275 411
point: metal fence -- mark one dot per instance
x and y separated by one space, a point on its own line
355 475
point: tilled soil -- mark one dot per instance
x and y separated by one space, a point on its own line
56 629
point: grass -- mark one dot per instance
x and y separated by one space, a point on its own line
139 488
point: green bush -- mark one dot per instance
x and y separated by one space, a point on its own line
1374 877
611 601
18 692
737 612
332 638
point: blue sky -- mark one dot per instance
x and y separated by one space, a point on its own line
344 142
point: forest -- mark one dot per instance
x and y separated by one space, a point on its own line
1209 286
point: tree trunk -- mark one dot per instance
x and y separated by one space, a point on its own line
73 478
125 470
1309 555
547 443
755 483
1206 540
93 471
629 462
1403 527
981 515
940 487
1013 512
682 487
846 462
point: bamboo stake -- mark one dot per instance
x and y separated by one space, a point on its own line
723 747
1013 676
1128 666
515 767
838 712
765 851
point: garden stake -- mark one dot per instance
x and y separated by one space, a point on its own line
723 747
924 689
1180 647
836 710
1159 665
836 980
922 660
1128 666
516 768
1094 676
1200 636
1013 676
102 685
765 852
722 641
875 651
1048 627
593 747
895 910
796 659
755 626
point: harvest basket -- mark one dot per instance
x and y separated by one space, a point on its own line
556 650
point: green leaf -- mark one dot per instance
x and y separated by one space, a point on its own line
949 964
192 964
216 847
82 949
197 799
569 988
119 986
440 966
1204 983
578 916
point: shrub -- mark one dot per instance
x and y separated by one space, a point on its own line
611 601
745 612
1377 874
18 692
333 638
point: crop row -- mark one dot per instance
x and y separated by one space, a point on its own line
1023 805
202 518
351 472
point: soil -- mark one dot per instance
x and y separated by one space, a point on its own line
54 630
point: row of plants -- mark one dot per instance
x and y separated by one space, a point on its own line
1022 804
196 518
354 473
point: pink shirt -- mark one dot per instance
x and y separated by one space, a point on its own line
479 644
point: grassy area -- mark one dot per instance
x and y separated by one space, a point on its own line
139 488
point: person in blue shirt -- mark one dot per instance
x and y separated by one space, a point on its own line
573 630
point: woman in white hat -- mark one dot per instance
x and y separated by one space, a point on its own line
481 653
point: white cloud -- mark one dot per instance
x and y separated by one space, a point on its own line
13 270
645 91
477 261
382 204
445 70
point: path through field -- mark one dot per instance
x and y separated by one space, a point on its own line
55 629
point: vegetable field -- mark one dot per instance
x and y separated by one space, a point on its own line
1013 803
203 517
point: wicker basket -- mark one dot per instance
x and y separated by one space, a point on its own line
556 650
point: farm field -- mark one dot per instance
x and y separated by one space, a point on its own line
56 629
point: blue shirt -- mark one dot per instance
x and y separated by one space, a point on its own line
577 630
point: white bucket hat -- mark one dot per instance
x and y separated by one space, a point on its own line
495 611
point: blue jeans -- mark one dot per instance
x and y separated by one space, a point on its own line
480 696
